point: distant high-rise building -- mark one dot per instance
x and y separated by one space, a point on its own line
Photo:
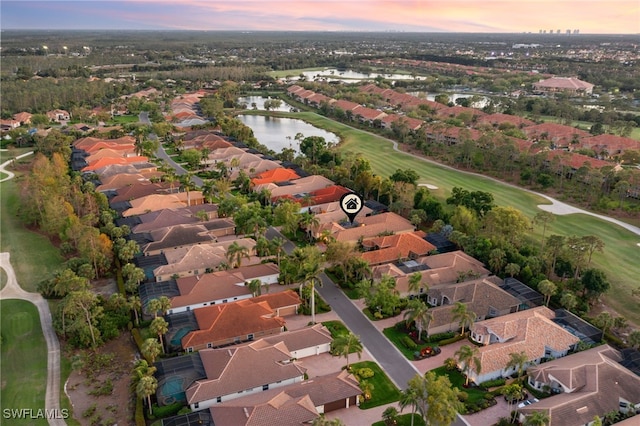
558 31
540 31
544 31
550 31
576 31
568 32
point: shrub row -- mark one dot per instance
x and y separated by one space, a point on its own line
166 410
452 340
140 421
409 343
493 383
435 338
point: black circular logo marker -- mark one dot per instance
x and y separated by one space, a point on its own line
351 204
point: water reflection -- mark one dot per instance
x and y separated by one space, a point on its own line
259 102
277 133
334 73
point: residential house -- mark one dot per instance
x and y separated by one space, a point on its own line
136 190
570 85
230 323
412 124
23 117
108 161
155 202
58 115
450 135
498 119
229 376
588 384
296 188
115 182
198 259
324 393
179 236
276 175
531 331
198 291
436 270
321 196
481 296
305 342
369 115
608 146
397 247
559 135
369 227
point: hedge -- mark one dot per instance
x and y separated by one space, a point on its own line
493 383
435 338
408 342
166 410
138 338
452 340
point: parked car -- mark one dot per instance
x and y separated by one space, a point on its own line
427 352
528 402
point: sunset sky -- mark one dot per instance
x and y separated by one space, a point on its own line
589 16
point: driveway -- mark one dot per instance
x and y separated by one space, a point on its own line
13 291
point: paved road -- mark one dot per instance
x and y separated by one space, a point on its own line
161 153
399 369
9 174
274 233
13 291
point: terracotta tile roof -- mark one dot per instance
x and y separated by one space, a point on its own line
298 186
315 335
563 83
154 202
321 196
331 212
393 247
201 256
321 390
294 88
103 162
444 268
119 181
110 153
455 111
139 189
163 219
596 383
318 98
559 134
23 117
279 174
279 300
227 371
369 113
611 144
87 143
479 295
221 322
177 236
345 105
413 123
530 331
220 284
281 410
373 226
575 161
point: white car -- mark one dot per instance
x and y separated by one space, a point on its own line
528 402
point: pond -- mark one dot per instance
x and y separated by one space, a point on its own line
333 74
278 133
259 101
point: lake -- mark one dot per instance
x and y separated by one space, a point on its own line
278 133
259 101
333 74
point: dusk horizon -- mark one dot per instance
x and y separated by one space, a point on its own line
457 16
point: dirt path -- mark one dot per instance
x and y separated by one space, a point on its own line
13 291
3 166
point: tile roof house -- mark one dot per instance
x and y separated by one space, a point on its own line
230 323
589 383
437 269
281 409
91 144
329 213
58 115
371 227
559 135
295 187
326 195
570 85
325 393
220 287
23 117
391 248
196 260
531 331
450 135
276 175
498 118
412 123
155 202
455 111
177 237
481 296
305 342
228 376
574 160
139 189
607 146
169 217
108 161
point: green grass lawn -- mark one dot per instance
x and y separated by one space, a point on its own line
295 73
384 391
619 259
336 328
33 256
457 380
404 420
23 356
395 336
124 119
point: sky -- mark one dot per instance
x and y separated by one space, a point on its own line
486 16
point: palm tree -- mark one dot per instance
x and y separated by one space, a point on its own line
235 253
512 269
409 397
146 387
277 246
345 344
309 222
634 339
160 327
415 283
165 304
467 355
154 306
150 349
463 315
311 269
537 418
605 321
543 218
517 361
255 287
418 312
548 288
513 393
496 259
135 304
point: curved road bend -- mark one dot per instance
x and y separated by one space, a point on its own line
13 291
